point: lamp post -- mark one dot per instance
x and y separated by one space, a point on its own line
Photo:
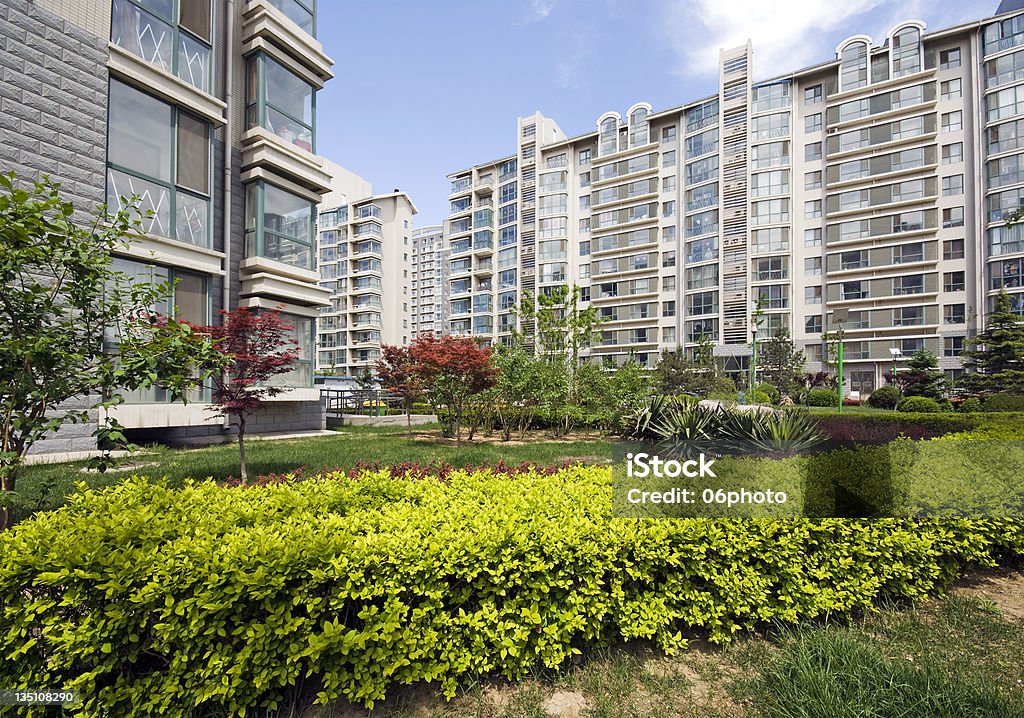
896 354
838 317
757 317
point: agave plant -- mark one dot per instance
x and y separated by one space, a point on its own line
770 432
643 422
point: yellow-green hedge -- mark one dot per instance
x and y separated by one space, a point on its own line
154 601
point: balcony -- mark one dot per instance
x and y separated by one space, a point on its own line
263 150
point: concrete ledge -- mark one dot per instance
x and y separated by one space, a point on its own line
63 457
397 420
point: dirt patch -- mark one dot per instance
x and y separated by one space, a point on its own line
1003 587
565 704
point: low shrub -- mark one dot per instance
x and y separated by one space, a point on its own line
970 405
160 602
918 405
883 428
1004 402
762 397
771 391
421 407
884 397
821 397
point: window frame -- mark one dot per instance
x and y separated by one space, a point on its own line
260 103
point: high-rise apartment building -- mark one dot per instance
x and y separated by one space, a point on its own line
866 195
365 247
206 111
429 282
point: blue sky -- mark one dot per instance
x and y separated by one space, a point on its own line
427 87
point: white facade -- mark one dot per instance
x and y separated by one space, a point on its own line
429 282
869 189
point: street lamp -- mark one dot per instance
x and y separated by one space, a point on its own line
896 354
839 316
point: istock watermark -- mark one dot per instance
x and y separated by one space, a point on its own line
642 465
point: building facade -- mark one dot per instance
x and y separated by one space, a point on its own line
205 110
365 249
429 282
865 195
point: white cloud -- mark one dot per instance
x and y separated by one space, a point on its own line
540 9
791 35
567 68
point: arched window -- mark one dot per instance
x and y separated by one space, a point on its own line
906 51
609 135
638 127
853 66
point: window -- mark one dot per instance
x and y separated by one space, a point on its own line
953 185
769 183
703 303
507 214
953 217
812 237
953 249
908 316
906 51
812 266
668 184
857 259
279 225
812 295
812 95
812 151
668 309
668 234
775 296
952 121
280 101
953 282
668 159
584 157
775 239
951 89
668 134
854 290
952 346
812 123
954 314
770 211
668 208
177 40
953 153
584 179
812 209
703 277
911 284
770 268
668 259
584 225
162 154
853 66
507 192
812 323
812 180
948 59
907 253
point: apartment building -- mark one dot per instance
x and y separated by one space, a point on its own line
865 195
429 282
206 111
365 247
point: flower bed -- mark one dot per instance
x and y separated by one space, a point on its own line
160 601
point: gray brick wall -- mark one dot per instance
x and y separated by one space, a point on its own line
53 121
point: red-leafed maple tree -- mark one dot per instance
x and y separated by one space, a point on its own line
259 346
451 370
396 372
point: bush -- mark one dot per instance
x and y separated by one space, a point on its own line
771 391
822 397
884 397
883 428
762 397
1004 402
919 405
206 600
421 407
970 405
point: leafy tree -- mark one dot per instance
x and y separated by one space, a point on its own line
995 359
395 369
630 387
515 384
76 332
452 370
922 377
781 362
698 375
257 346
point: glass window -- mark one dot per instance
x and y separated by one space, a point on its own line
952 121
280 101
812 237
279 226
812 180
161 155
951 89
953 282
301 12
953 185
812 151
812 123
948 59
906 52
812 94
174 35
853 66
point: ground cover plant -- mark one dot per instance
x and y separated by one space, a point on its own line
162 601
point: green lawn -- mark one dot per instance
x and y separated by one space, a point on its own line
43 487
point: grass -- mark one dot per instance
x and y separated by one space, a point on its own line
954 657
45 486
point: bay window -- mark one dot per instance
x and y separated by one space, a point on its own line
280 101
174 35
278 225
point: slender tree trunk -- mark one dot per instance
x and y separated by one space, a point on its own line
408 416
241 448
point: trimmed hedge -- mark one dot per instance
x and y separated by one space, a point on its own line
822 397
161 602
883 428
884 397
1004 402
918 405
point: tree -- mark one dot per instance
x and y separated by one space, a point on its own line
257 346
698 375
77 332
995 359
452 370
515 385
922 377
395 370
781 362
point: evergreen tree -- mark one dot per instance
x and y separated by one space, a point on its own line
995 359
923 377
781 362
